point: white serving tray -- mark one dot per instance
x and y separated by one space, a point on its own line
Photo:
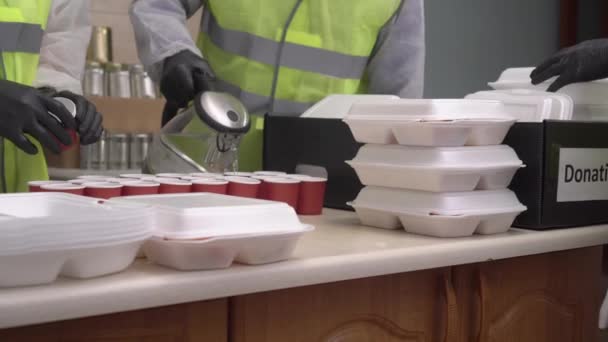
438 214
436 169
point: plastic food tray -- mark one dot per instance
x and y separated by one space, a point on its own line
436 169
438 214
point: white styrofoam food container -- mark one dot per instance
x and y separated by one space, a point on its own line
221 252
588 93
206 215
206 231
44 235
453 214
464 121
527 105
436 169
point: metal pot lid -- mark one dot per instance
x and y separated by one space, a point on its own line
222 112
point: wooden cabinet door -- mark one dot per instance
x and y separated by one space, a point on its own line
193 322
551 297
415 307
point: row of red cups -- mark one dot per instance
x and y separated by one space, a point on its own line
304 193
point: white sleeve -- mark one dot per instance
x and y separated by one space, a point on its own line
64 45
397 65
161 31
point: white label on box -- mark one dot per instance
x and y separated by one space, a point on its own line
583 174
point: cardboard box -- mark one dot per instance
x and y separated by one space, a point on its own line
564 183
119 116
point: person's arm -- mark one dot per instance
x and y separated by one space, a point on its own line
64 46
161 31
397 65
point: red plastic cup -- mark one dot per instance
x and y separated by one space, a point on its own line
103 190
75 140
137 188
282 190
65 187
312 195
173 186
243 186
94 178
34 186
216 186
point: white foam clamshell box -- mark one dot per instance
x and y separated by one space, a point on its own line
453 214
44 235
209 231
587 93
528 105
430 122
436 169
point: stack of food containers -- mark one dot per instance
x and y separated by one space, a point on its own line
45 235
435 167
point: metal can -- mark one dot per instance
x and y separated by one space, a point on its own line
118 151
100 46
141 83
95 156
119 82
138 147
94 81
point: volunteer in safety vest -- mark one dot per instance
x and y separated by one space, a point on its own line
282 55
585 62
41 53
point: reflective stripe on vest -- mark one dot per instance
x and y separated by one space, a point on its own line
293 55
20 37
260 104
285 55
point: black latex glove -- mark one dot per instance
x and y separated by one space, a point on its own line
184 75
24 110
88 120
585 62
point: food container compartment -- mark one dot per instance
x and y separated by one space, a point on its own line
191 255
204 215
44 267
474 132
438 214
440 169
265 249
221 252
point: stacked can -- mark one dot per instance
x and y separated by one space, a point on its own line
435 167
116 151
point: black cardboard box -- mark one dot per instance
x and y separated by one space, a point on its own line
573 193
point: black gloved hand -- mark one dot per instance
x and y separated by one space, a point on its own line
184 75
24 110
88 120
587 61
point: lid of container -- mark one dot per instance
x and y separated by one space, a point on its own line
336 106
208 215
416 108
